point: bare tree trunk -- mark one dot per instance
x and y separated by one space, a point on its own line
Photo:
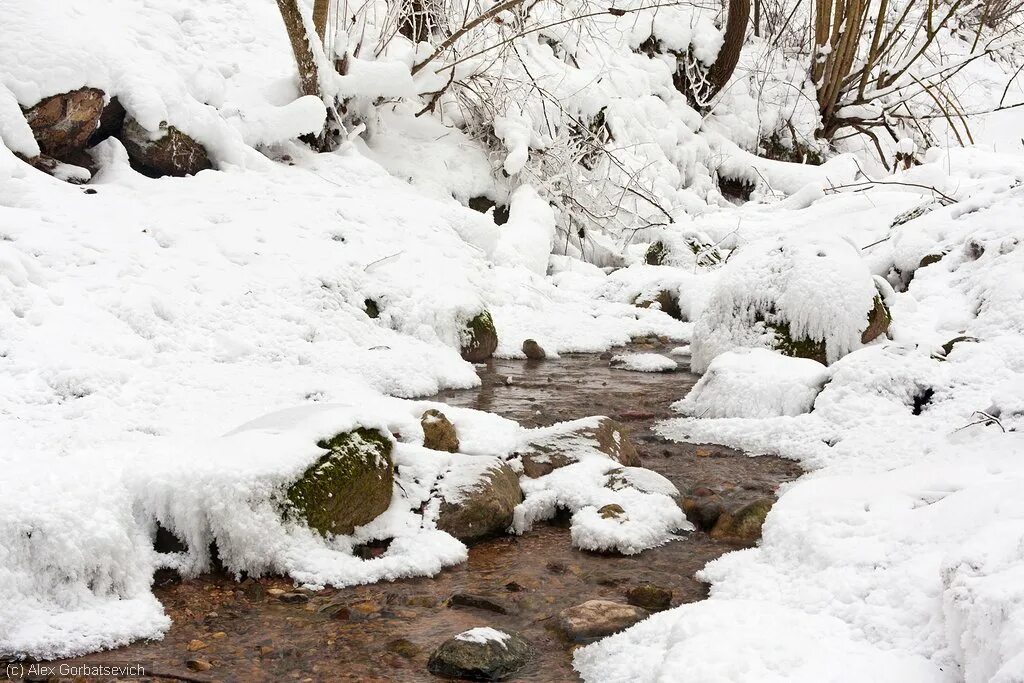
309 81
729 55
321 8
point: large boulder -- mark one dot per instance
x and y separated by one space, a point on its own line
807 297
438 432
566 443
348 486
479 338
598 618
481 504
165 152
62 124
480 654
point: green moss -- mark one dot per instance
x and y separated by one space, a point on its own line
480 338
348 486
798 348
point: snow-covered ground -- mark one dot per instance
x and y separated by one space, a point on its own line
171 349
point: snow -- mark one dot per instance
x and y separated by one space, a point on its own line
643 362
755 383
172 349
483 635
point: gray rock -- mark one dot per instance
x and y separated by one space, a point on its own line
650 597
558 450
471 655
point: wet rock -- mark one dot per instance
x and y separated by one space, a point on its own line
485 508
350 485
598 618
650 597
611 511
481 654
533 351
479 338
198 664
293 598
878 321
404 647
166 576
561 448
665 301
743 525
703 511
483 602
62 124
372 549
438 432
195 645
170 152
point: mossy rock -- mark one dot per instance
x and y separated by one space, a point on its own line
743 525
798 348
878 321
438 432
479 338
349 486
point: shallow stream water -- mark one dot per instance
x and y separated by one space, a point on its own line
385 632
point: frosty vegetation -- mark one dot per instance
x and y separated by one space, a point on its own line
242 242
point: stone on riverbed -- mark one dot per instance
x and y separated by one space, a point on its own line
567 442
649 597
533 351
438 432
480 654
348 486
479 338
478 497
743 525
598 618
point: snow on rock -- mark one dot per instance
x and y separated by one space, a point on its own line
643 362
807 295
483 634
528 235
755 383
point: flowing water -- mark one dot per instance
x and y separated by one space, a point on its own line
385 632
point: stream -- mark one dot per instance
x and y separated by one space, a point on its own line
386 631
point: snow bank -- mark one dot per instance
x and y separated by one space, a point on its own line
899 554
643 362
755 383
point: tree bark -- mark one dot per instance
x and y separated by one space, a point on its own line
309 81
735 34
321 8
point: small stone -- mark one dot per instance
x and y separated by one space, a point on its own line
744 525
598 618
219 634
438 432
276 591
483 602
703 511
650 597
533 350
198 664
404 648
480 654
611 511
195 645
293 598
264 650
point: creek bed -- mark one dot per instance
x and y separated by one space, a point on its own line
386 631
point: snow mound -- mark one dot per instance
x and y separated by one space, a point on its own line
800 287
755 383
643 362
483 634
